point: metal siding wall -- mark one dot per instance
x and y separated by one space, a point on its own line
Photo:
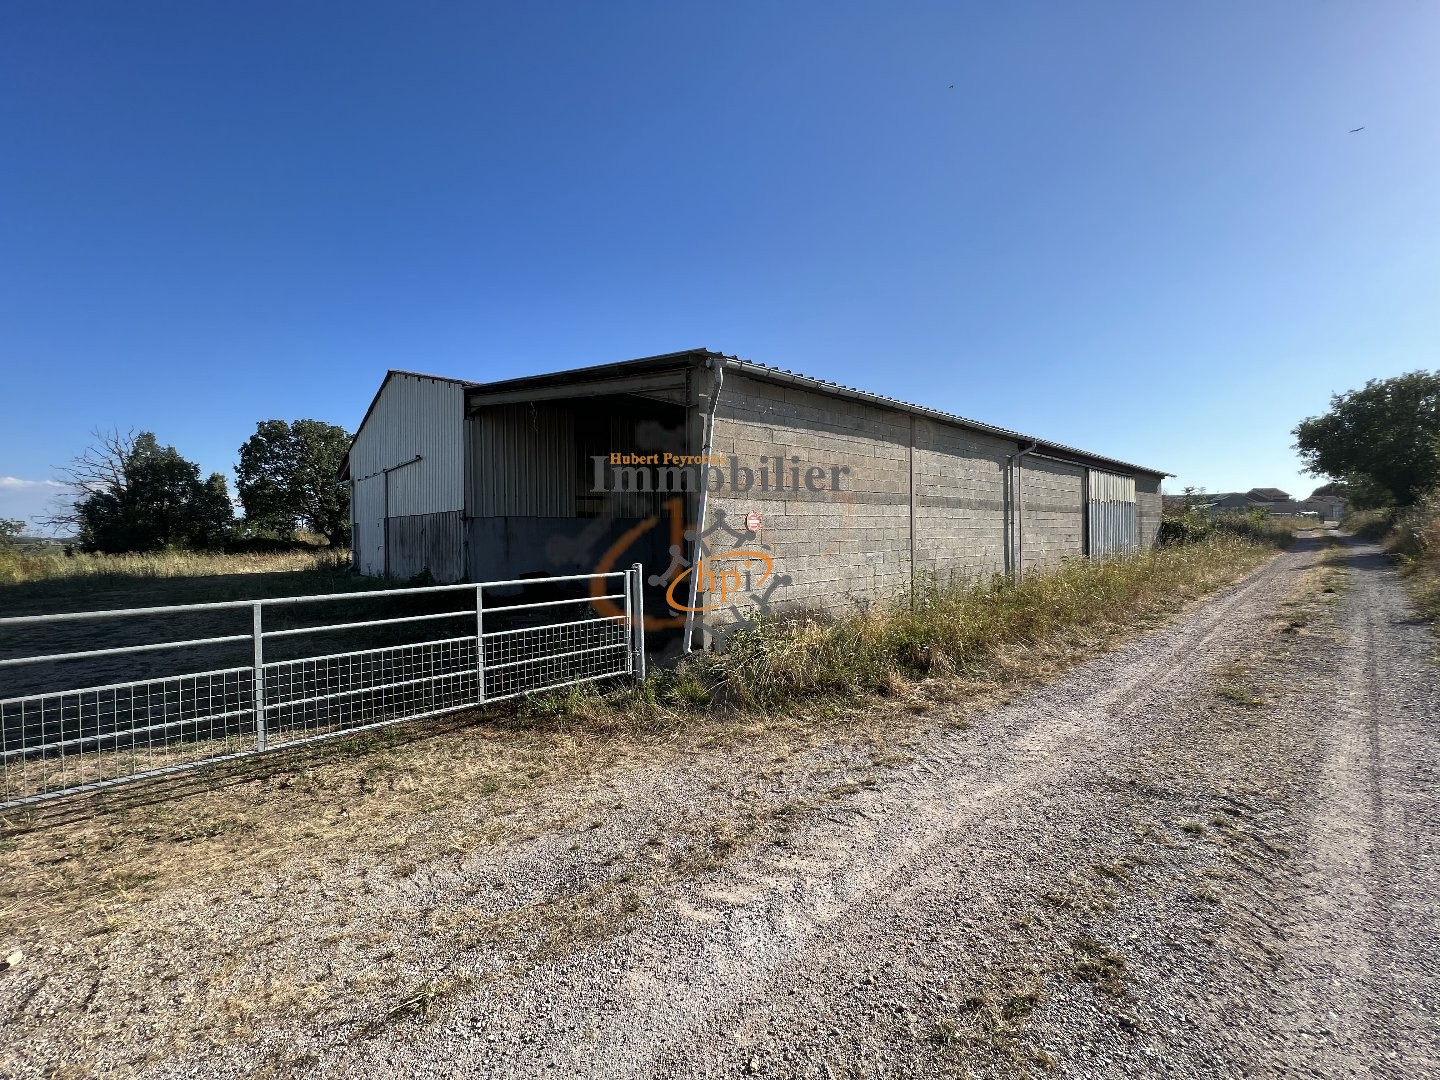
523 462
433 542
415 415
1111 515
368 510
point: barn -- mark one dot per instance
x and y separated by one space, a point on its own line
829 495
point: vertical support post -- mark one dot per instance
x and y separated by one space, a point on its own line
257 675
914 584
637 622
629 620
480 644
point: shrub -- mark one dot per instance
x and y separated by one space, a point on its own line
1256 524
1370 524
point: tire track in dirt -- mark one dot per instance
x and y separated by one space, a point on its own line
678 996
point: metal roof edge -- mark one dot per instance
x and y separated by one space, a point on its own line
809 382
618 369
343 472
750 368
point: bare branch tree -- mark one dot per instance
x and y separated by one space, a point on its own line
101 469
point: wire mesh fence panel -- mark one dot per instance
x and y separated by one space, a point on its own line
486 642
74 739
327 694
526 659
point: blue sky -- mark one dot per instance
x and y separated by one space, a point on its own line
1139 228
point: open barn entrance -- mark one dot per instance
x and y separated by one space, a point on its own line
544 499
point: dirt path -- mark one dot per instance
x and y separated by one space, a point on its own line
1210 853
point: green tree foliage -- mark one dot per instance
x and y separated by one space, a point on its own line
214 513
10 531
132 494
286 479
1383 440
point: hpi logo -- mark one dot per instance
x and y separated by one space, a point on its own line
721 576
736 573
724 580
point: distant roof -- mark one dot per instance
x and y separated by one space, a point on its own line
1268 494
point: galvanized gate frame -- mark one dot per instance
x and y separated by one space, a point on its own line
63 742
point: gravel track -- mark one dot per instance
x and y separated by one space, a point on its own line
1209 853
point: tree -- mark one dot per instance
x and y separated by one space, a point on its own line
11 529
1382 441
214 513
286 479
132 494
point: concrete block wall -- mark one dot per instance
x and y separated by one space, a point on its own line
840 548
1052 503
854 546
960 502
1148 509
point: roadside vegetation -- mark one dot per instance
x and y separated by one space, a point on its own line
1257 525
1000 629
1381 444
1412 535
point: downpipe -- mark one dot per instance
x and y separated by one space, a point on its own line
695 548
1016 473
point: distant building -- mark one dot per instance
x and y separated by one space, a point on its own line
1330 508
1235 500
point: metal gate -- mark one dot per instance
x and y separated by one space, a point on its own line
292 673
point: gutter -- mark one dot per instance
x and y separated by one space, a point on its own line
1017 509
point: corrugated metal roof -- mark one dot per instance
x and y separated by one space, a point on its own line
774 374
694 357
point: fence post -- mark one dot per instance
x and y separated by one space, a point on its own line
480 644
629 623
257 676
637 621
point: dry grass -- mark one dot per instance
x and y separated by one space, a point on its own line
1412 535
47 582
995 629
18 566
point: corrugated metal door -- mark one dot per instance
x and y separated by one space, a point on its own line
369 512
1110 514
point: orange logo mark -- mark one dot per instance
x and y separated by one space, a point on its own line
719 585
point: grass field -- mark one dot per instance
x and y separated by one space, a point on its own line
40 581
